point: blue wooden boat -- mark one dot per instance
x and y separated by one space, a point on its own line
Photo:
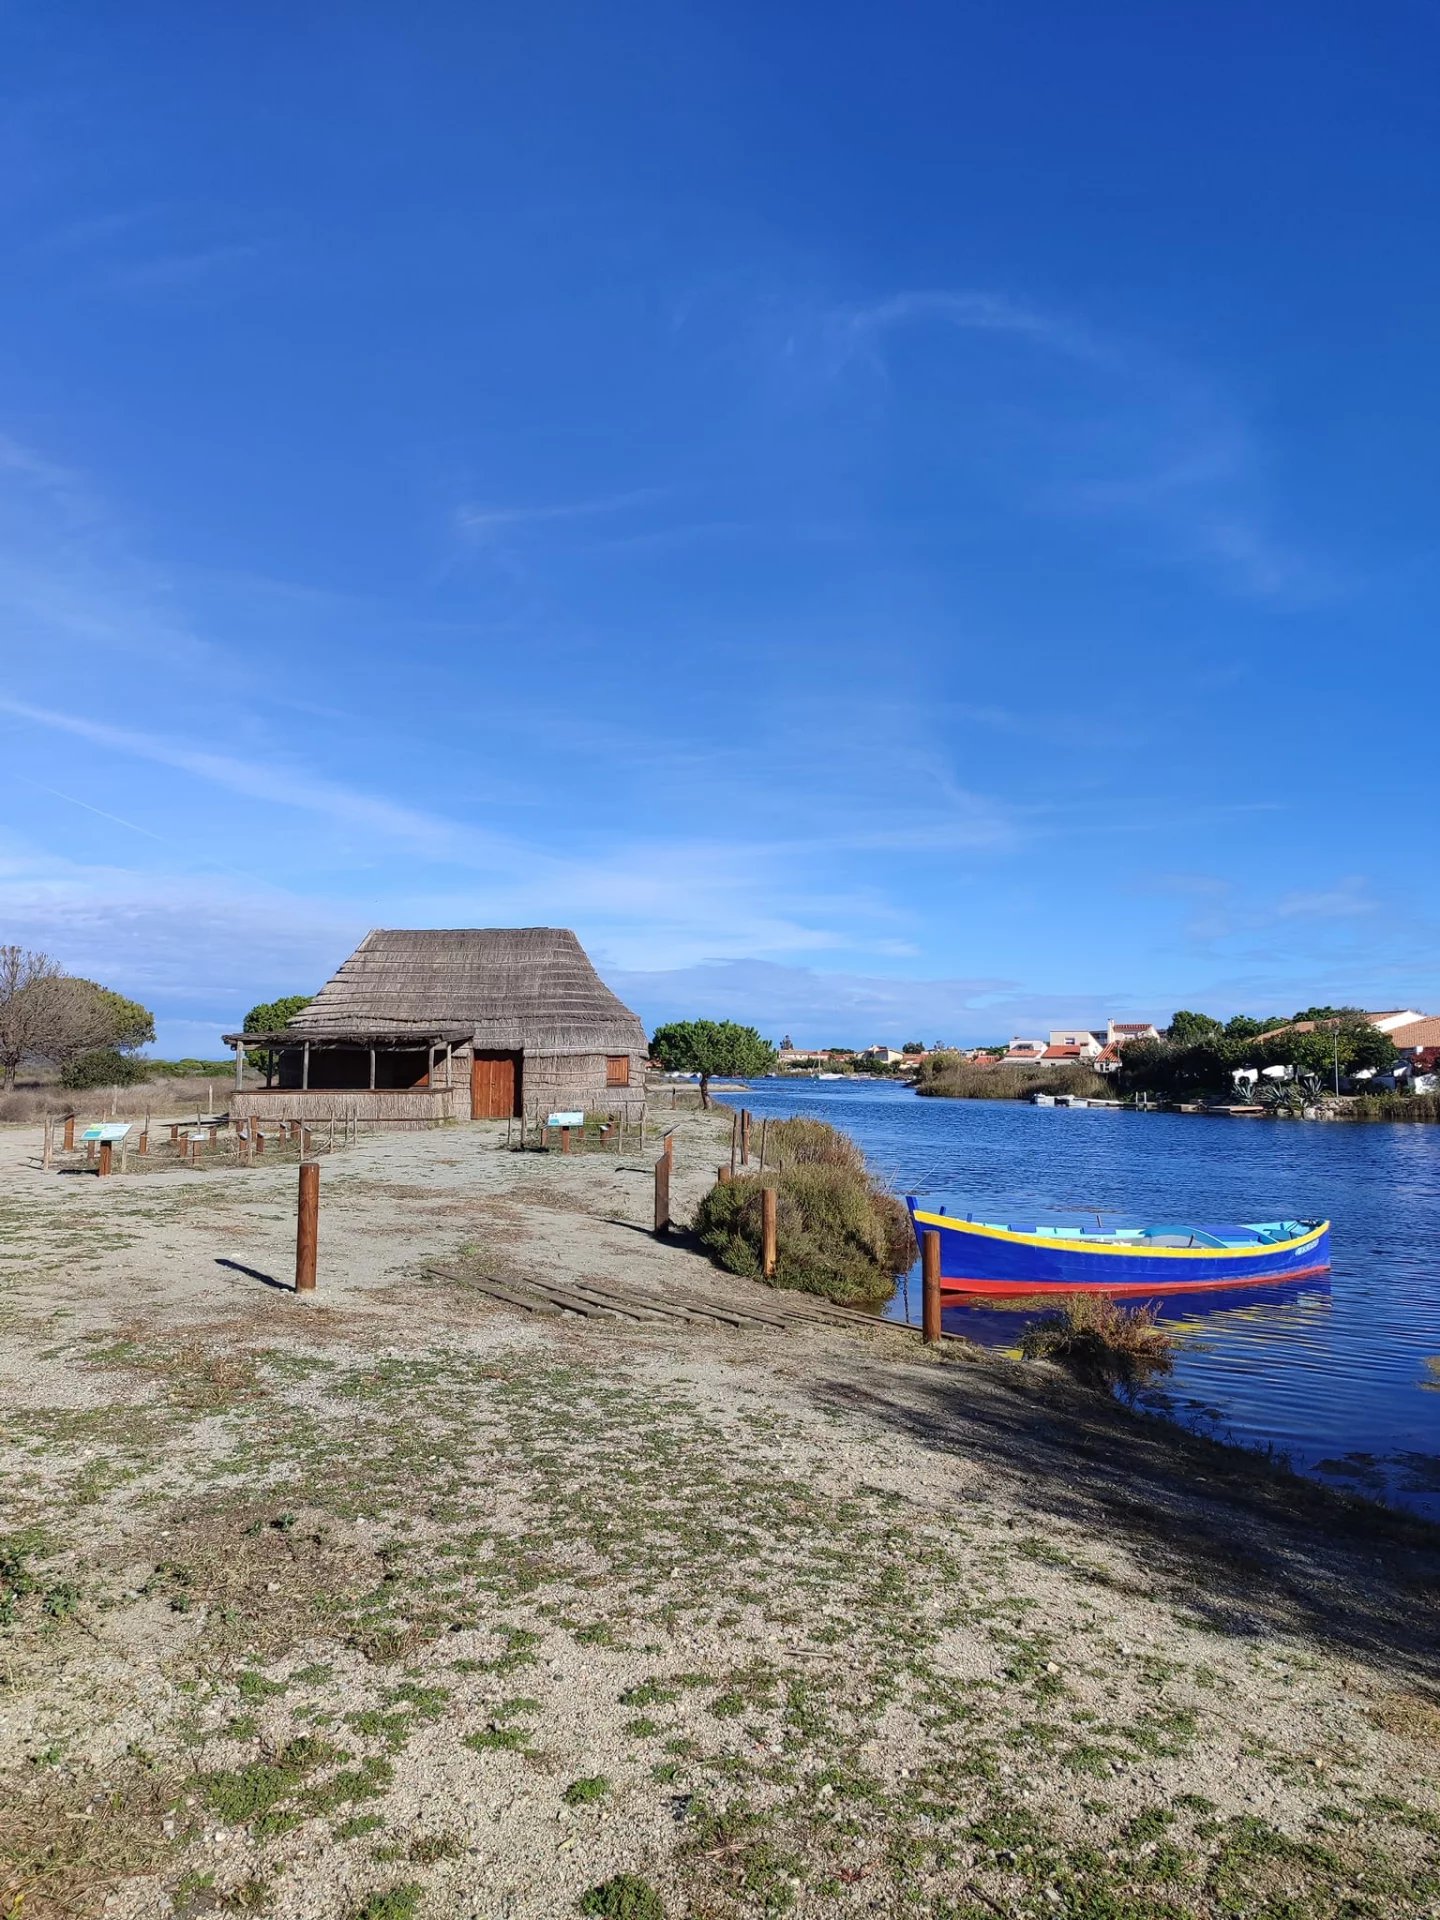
1084 1254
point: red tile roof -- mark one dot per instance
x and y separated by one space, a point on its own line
1419 1033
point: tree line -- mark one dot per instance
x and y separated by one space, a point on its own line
1197 1053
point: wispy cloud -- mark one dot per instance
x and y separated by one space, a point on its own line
289 786
481 522
1152 442
853 331
180 271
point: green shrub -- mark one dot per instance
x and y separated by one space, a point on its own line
626 1897
838 1233
102 1067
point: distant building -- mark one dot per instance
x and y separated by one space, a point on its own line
1119 1033
1079 1039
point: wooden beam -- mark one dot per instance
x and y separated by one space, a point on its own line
305 1069
372 1069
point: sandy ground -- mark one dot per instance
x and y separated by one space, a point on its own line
395 1601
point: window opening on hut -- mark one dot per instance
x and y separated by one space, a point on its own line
617 1069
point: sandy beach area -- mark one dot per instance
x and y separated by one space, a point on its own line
401 1601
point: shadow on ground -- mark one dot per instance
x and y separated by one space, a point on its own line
1240 1545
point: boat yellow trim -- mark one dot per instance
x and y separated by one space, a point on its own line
1131 1247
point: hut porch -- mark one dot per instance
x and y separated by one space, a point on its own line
399 1078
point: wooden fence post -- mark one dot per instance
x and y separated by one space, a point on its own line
145 1133
763 1125
769 1249
307 1227
734 1142
724 1175
744 1136
930 1287
69 1140
106 1154
662 1193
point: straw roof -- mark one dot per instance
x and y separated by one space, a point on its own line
510 987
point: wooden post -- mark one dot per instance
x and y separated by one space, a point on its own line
105 1158
744 1136
125 1154
239 1067
930 1287
662 1193
305 1069
331 1147
734 1141
372 1069
69 1141
564 1139
670 1146
89 1153
47 1153
145 1133
763 1125
769 1251
307 1227
724 1175
249 1142
259 1140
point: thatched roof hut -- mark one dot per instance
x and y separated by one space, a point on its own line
530 989
517 1012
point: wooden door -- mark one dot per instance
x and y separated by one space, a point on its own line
494 1086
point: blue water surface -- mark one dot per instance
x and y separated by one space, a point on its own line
1332 1374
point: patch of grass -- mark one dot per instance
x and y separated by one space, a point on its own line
498 1740
391 1903
252 1795
584 1793
357 1827
625 1897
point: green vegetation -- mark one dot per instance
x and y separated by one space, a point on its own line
626 1897
1102 1343
584 1793
839 1233
1197 1055
102 1067
708 1047
266 1018
394 1903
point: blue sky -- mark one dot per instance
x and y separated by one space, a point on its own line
893 523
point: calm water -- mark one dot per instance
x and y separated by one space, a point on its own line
1333 1373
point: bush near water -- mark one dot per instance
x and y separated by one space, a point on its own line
839 1232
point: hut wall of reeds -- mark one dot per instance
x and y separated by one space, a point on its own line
471 1021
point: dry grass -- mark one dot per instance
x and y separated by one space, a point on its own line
1411 1716
65 1840
1101 1342
964 1080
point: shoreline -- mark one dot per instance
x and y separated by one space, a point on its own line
465 1552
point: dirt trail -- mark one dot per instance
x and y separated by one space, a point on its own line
400 1602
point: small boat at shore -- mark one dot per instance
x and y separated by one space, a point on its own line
1085 1255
